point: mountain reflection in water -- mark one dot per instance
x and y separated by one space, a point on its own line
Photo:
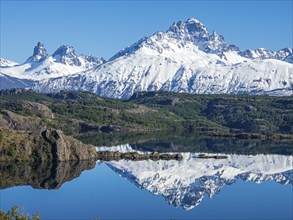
45 175
182 183
185 183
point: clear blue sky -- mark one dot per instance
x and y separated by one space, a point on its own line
102 28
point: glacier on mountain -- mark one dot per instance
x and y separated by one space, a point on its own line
185 58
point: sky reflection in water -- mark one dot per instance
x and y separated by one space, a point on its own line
101 192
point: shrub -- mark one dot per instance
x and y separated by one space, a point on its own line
15 214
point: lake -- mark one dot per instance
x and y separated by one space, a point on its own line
254 182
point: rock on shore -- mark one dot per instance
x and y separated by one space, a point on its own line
116 155
49 145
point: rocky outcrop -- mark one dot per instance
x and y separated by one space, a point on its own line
15 122
23 116
26 137
49 145
45 175
66 148
37 109
29 108
135 156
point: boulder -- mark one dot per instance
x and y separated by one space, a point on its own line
66 148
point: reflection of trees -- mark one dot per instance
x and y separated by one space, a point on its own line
45 175
166 141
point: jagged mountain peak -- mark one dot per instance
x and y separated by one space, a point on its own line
259 53
40 53
193 20
178 34
185 58
263 53
64 50
286 50
215 41
216 44
181 35
191 29
284 54
214 36
90 61
40 65
66 54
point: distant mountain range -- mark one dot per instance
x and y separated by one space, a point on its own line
185 58
186 183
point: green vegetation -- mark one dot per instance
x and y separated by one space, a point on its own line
238 113
16 214
14 144
240 116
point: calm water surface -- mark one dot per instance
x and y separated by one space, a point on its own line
243 186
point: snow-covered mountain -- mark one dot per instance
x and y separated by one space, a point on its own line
8 82
7 63
185 183
185 58
40 65
262 53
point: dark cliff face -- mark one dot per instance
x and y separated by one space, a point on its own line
40 54
45 175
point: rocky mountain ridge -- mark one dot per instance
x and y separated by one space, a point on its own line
64 61
183 59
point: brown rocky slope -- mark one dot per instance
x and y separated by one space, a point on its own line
26 138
